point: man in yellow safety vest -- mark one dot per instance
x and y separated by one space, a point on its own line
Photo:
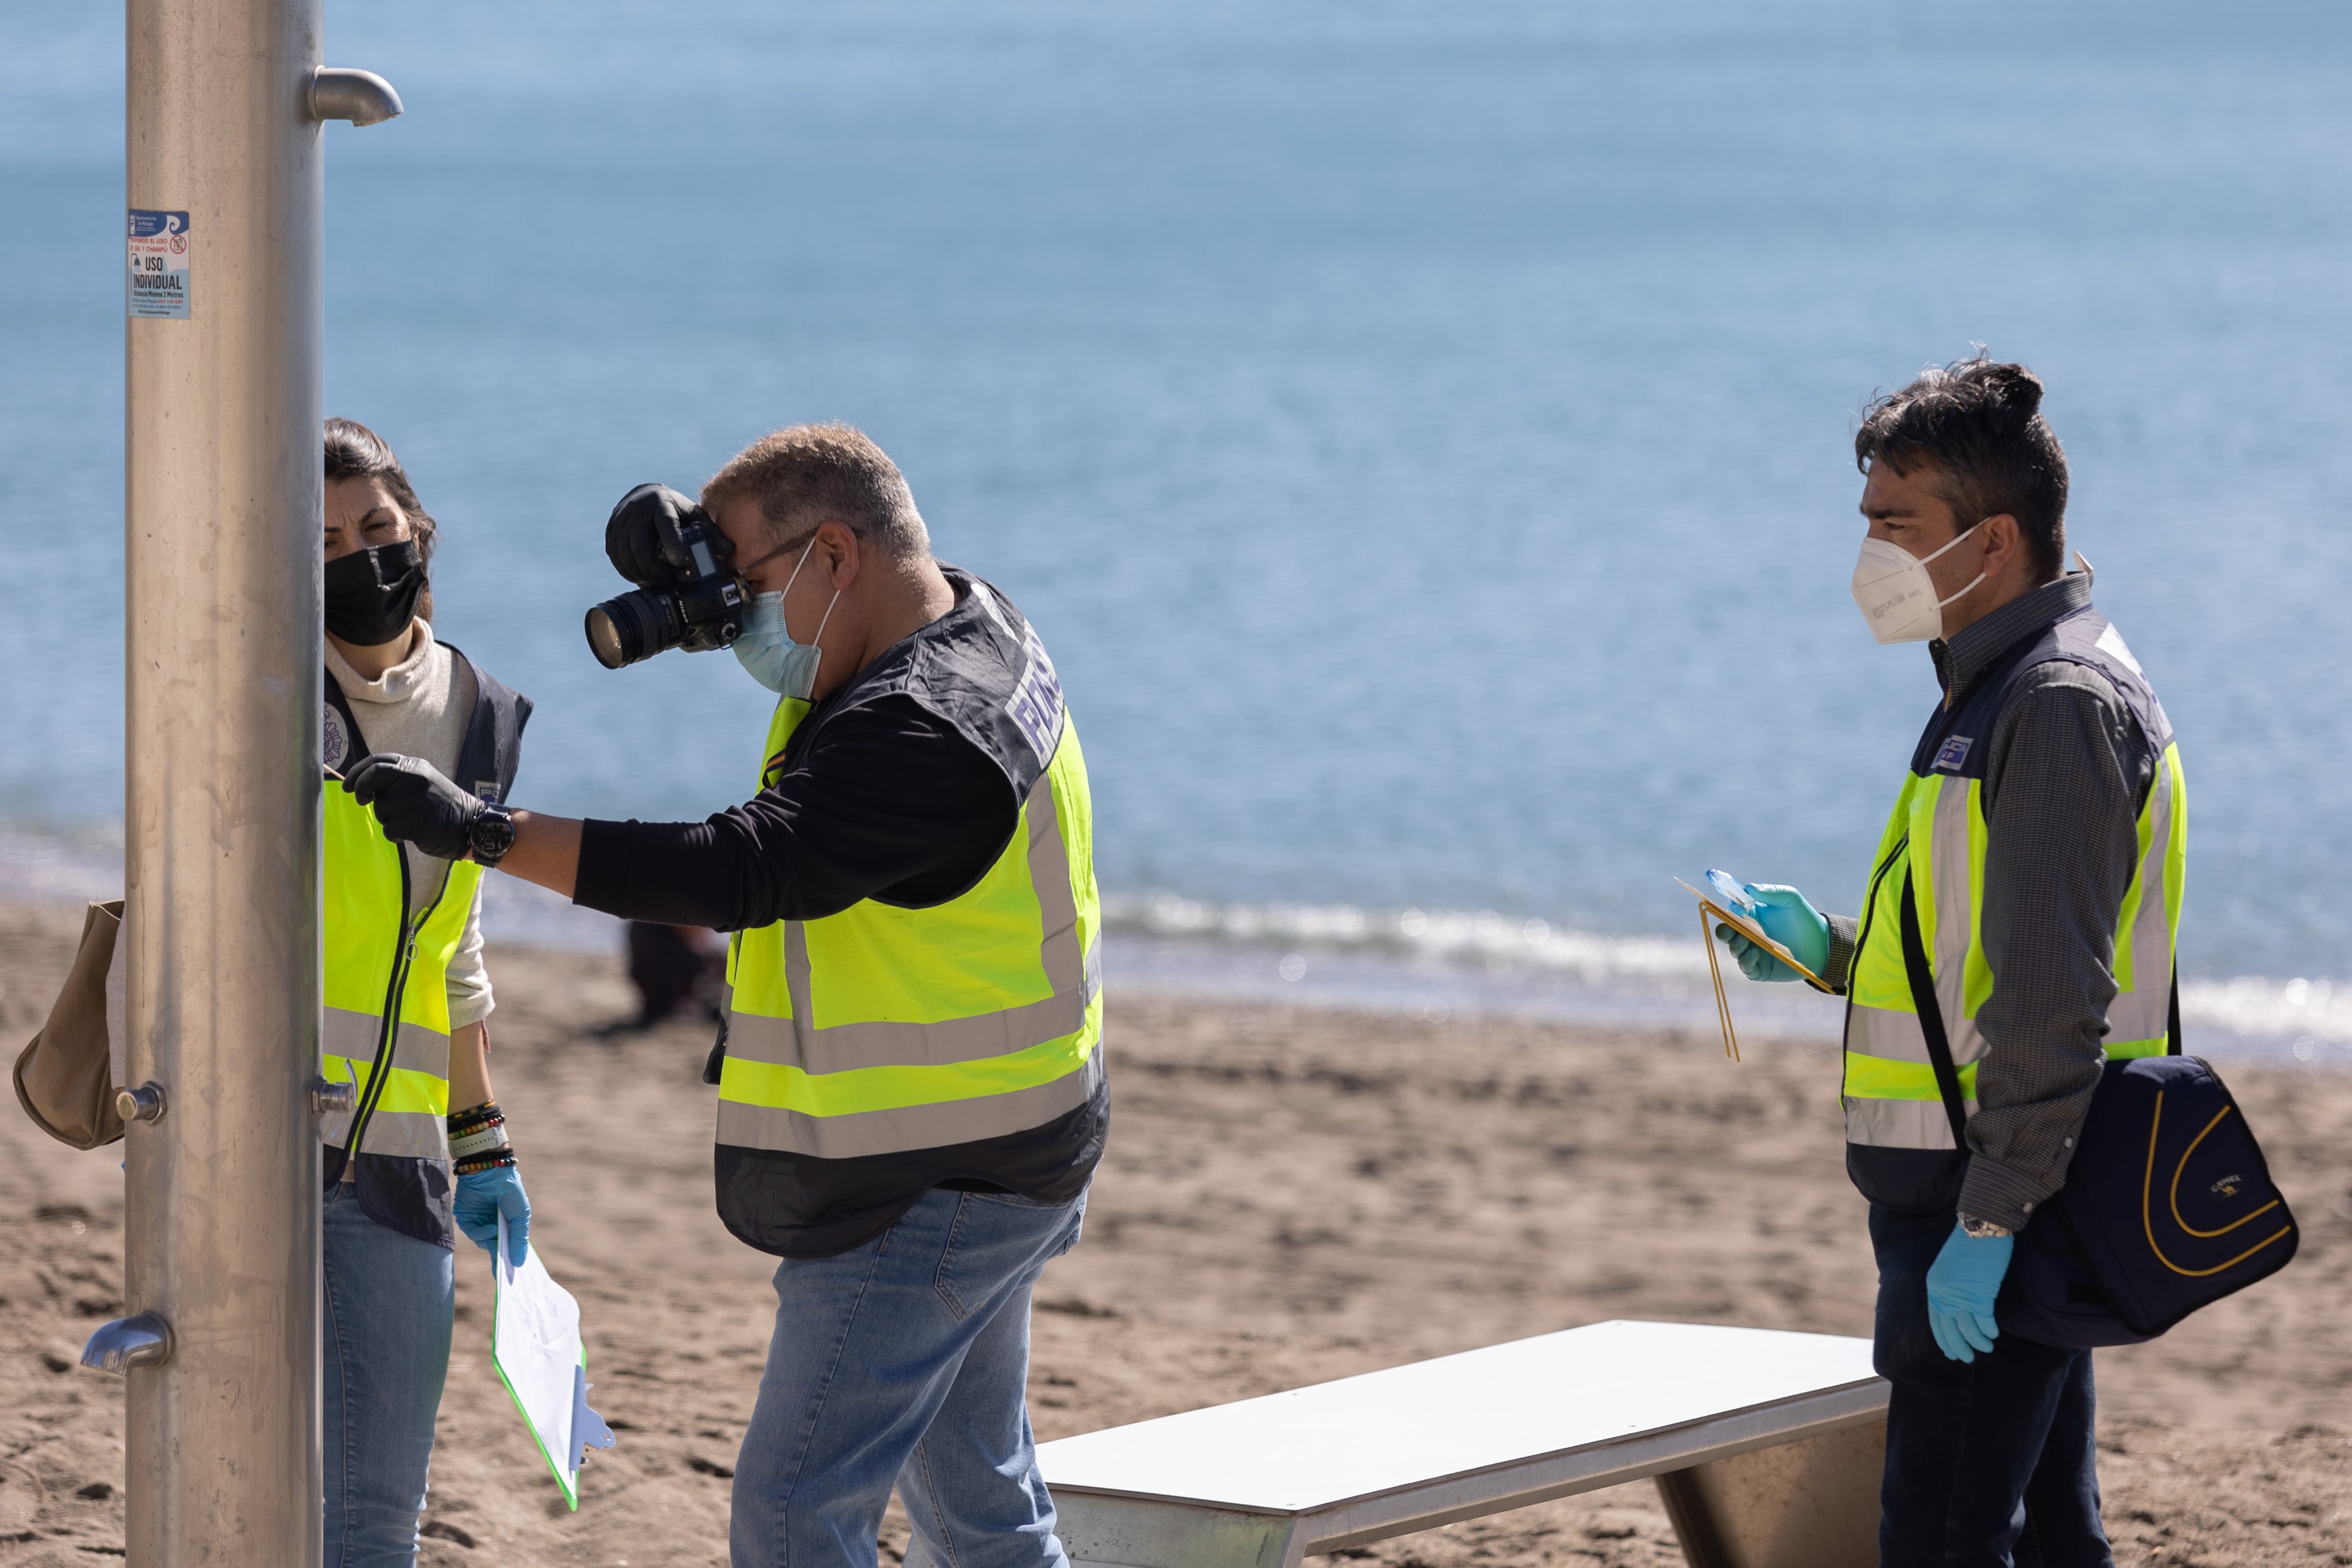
2019 923
912 1090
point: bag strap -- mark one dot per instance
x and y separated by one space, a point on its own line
2172 1021
1931 1018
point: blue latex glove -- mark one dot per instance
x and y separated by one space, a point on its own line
1788 920
484 1196
1962 1284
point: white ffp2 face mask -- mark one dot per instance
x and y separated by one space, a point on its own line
1896 595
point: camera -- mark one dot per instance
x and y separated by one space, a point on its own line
687 596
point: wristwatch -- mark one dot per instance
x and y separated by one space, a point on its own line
1984 1229
490 835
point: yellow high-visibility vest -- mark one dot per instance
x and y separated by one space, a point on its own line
1934 846
386 1029
881 1029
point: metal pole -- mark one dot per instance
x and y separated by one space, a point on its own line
221 502
222 818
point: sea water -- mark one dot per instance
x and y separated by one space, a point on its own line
1421 433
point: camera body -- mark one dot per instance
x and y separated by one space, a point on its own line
687 595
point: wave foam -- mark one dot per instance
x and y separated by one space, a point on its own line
1526 958
2314 1017
1451 936
2311 1017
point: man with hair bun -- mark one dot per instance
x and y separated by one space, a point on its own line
2021 912
912 1090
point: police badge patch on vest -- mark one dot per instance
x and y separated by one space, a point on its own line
1955 754
334 741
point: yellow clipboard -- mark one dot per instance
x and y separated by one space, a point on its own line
1710 912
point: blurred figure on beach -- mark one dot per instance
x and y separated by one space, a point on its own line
912 1097
407 1006
676 969
2020 924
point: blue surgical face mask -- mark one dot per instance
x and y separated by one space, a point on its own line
766 650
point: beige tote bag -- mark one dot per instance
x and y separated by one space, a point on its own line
66 1078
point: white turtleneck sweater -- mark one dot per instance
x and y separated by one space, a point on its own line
420 708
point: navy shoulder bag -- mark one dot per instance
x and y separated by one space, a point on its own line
2168 1206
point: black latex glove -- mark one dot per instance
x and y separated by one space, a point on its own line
415 804
640 537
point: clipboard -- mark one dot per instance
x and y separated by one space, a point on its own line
536 1346
1709 913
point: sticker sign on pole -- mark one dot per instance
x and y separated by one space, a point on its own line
159 265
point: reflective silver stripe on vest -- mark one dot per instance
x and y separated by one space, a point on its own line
2145 1012
2140 1015
905 1127
844 1047
1075 978
1066 969
1955 911
353 1035
408 1135
1893 1035
350 1036
1900 1123
1896 1036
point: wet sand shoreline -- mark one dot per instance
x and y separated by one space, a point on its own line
1290 1195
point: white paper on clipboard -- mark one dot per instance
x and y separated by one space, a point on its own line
535 1344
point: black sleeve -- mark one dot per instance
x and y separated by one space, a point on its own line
889 801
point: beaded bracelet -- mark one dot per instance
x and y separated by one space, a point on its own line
485 1114
496 1159
477 1139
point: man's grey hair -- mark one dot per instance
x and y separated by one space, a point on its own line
812 474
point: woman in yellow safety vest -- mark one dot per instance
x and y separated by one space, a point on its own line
423 1150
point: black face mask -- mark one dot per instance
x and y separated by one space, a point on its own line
372 593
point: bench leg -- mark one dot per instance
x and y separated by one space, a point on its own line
1098 1531
1809 1504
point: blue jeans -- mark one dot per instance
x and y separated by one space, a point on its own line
1990 1463
389 1302
905 1360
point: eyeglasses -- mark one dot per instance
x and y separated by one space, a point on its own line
748 567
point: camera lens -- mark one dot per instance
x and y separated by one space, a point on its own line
632 626
605 639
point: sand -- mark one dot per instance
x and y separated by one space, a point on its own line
1290 1195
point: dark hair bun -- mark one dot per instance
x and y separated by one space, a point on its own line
2017 389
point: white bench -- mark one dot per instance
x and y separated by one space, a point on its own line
1765 1446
